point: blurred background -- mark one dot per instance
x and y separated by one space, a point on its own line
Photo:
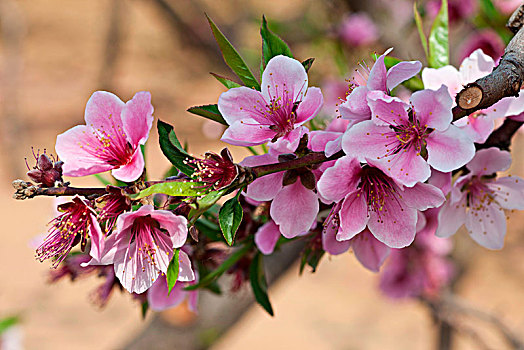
55 54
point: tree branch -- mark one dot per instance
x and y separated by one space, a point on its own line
506 80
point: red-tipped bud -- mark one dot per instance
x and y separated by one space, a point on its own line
47 171
215 171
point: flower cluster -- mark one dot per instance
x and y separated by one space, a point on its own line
390 178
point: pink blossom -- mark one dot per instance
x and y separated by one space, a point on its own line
372 199
399 135
478 200
160 299
75 225
356 108
111 206
142 246
215 171
480 124
358 29
488 40
422 268
294 206
266 237
111 138
278 111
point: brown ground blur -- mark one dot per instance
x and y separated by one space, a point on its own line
337 308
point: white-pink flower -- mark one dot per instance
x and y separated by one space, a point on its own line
111 138
478 200
480 124
142 247
159 298
278 111
374 200
408 139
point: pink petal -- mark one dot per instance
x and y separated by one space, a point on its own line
266 237
310 105
339 124
353 216
132 170
294 209
401 72
136 274
450 149
266 187
284 76
476 66
367 140
247 132
433 108
509 192
78 160
356 108
451 216
488 228
440 180
387 110
319 139
423 196
289 142
447 75
406 167
476 126
334 146
488 161
340 180
330 243
369 251
185 271
97 239
175 225
103 112
395 225
377 76
241 103
137 118
158 297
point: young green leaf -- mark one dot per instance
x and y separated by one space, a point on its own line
259 284
173 188
226 81
209 112
173 270
172 148
420 28
232 57
308 63
145 307
272 45
229 219
439 39
8 322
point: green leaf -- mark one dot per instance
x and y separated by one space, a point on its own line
209 112
439 39
8 322
173 188
259 284
229 218
232 58
172 148
311 257
272 45
219 271
489 10
204 203
102 180
145 307
308 63
420 28
172 271
226 81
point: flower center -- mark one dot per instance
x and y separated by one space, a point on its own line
378 189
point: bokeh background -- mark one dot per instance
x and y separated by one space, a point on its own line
54 54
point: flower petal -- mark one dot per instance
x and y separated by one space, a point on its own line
377 75
264 188
451 216
353 216
450 149
310 105
340 180
447 75
489 160
356 108
433 108
476 66
423 196
159 297
103 112
387 110
175 225
395 224
185 271
330 243
247 132
294 209
487 227
509 192
137 118
476 126
134 272
241 103
284 76
266 237
132 170
367 140
401 72
369 251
